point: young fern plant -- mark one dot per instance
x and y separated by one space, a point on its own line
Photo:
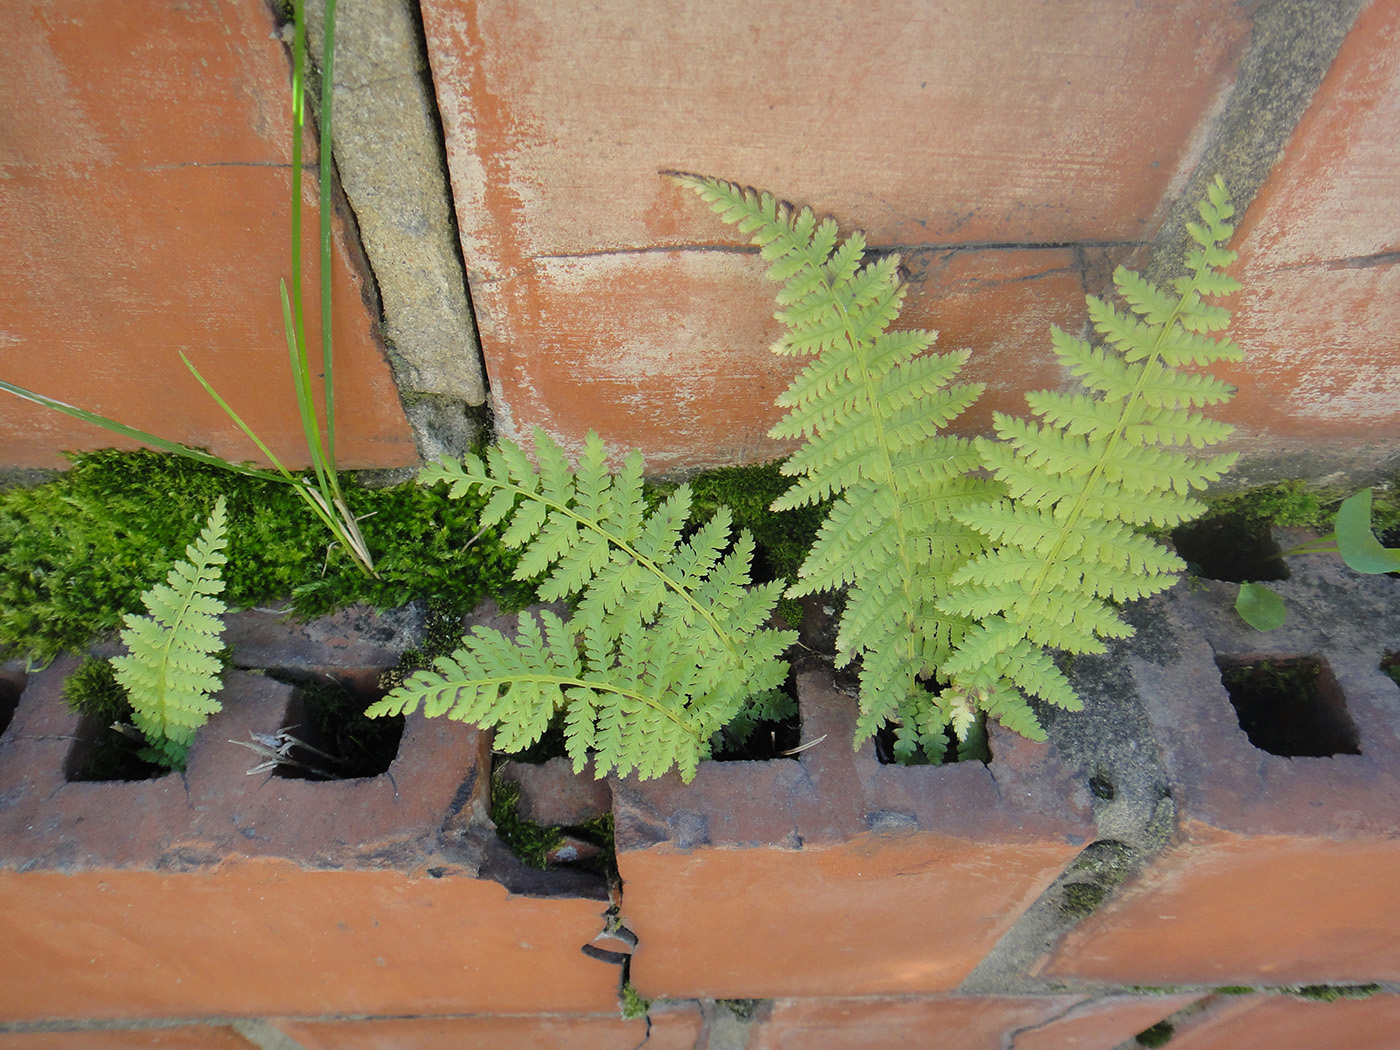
667 643
869 407
1064 546
969 583
171 672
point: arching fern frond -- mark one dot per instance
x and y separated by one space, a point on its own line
1063 547
170 672
869 408
668 639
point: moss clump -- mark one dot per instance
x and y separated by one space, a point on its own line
93 691
633 1005
1160 1034
1081 899
80 548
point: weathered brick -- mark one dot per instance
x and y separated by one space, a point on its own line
795 877
1285 1023
1100 1024
1283 869
146 205
951 1023
177 1037
1318 260
587 321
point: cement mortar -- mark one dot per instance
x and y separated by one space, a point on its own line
389 155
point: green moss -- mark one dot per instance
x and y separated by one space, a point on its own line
1160 1034
93 691
633 1005
1234 989
82 547
529 841
1081 899
1292 504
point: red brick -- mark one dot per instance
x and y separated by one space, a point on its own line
552 793
1284 870
1100 1024
1282 1023
146 205
874 1024
795 877
561 212
181 1037
219 893
1318 312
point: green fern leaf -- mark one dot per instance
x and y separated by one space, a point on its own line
668 641
868 408
171 672
1062 546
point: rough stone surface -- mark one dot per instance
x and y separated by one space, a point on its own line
552 793
388 150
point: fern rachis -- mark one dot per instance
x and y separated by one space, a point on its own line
668 640
171 672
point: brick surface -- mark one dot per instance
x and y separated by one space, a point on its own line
214 892
146 202
874 1024
587 321
823 875
670 1026
1321 277
1099 1024
1284 869
1282 1023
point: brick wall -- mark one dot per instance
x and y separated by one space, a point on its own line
1011 153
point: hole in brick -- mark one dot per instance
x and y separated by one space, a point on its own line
1290 706
332 738
973 749
764 733
108 751
1232 547
12 685
106 745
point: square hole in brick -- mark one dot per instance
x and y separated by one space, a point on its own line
1290 706
326 734
106 743
1231 547
769 728
12 683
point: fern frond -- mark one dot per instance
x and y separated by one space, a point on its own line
668 640
170 671
1062 546
869 407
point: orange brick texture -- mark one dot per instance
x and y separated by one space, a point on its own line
144 212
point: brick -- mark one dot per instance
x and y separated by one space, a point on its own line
1284 870
858 1024
215 892
1283 1023
794 877
545 1032
147 207
586 320
1317 258
552 793
1100 1024
178 1037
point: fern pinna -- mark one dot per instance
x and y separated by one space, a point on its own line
1063 544
666 645
869 406
170 671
